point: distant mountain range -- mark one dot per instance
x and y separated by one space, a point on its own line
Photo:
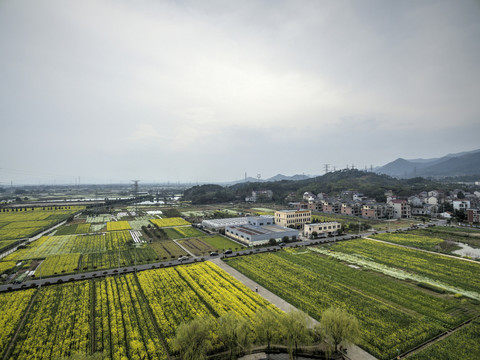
460 164
278 177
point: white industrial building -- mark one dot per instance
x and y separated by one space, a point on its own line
321 229
251 234
218 224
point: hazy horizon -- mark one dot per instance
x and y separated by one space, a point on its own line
188 91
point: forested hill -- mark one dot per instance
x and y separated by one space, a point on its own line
370 184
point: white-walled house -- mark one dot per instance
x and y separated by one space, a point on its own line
461 204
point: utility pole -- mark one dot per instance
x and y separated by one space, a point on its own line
326 167
135 194
119 258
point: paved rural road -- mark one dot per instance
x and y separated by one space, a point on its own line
353 352
128 269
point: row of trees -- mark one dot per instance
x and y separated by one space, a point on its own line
235 334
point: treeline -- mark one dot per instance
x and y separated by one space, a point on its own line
370 184
16 209
210 194
234 335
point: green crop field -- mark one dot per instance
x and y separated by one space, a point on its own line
394 314
462 344
167 250
67 244
168 222
408 239
110 259
6 243
183 232
205 245
464 235
118 225
25 222
73 229
446 270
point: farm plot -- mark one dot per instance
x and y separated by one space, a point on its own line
194 213
168 222
197 246
73 229
118 225
7 265
465 235
221 242
122 317
262 211
204 245
137 224
393 314
167 249
123 325
67 244
181 293
29 221
59 264
102 218
462 344
430 243
12 307
57 325
6 244
448 270
183 232
420 242
98 227
110 259
23 229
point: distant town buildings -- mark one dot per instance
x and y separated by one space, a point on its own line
428 203
473 216
401 209
461 205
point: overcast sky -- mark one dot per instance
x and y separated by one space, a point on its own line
198 90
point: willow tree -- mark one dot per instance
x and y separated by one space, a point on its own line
234 332
339 326
193 339
266 325
295 327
